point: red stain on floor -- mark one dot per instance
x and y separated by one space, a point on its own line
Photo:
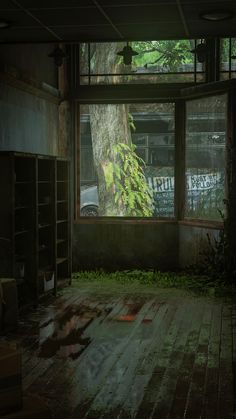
126 318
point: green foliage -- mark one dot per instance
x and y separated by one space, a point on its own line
131 122
125 175
168 54
214 258
198 284
224 52
214 262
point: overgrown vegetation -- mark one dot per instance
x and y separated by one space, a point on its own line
196 283
211 276
214 257
125 175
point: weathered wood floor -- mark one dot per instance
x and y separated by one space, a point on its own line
132 355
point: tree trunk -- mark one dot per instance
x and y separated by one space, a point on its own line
109 126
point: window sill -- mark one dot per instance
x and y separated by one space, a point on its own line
141 221
124 220
202 223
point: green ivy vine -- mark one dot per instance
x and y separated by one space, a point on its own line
125 175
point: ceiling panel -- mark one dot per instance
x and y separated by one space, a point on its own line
90 33
32 4
27 35
193 12
143 3
18 18
70 17
219 3
210 29
6 4
157 31
139 14
81 20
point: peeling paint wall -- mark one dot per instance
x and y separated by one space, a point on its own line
27 123
31 60
64 147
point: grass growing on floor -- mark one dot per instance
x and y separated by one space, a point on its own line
196 283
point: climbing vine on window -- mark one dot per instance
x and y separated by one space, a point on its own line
125 175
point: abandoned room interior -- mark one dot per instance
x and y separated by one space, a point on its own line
118 209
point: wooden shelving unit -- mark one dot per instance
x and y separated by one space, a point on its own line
63 251
34 222
45 244
23 224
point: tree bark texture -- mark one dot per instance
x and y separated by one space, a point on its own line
109 126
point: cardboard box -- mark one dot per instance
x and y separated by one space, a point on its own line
48 281
10 377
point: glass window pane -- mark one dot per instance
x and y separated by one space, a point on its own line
164 61
227 58
205 157
233 58
224 54
127 160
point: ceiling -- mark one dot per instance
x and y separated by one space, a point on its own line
111 20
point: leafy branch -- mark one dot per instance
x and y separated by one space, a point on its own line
170 54
125 176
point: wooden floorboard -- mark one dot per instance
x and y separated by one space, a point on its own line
136 353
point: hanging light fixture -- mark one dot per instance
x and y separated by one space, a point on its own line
58 54
201 52
216 15
127 53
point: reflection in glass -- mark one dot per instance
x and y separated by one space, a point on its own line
205 157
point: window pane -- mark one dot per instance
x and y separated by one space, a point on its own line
224 54
127 160
164 61
205 157
227 58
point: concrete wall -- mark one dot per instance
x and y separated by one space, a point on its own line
27 123
124 246
166 246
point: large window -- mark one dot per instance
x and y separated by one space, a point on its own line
127 160
167 61
128 150
205 157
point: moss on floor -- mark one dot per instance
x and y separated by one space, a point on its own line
194 283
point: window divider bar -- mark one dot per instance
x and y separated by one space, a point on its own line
179 159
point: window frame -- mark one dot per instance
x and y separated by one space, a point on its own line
118 219
174 93
229 71
89 74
